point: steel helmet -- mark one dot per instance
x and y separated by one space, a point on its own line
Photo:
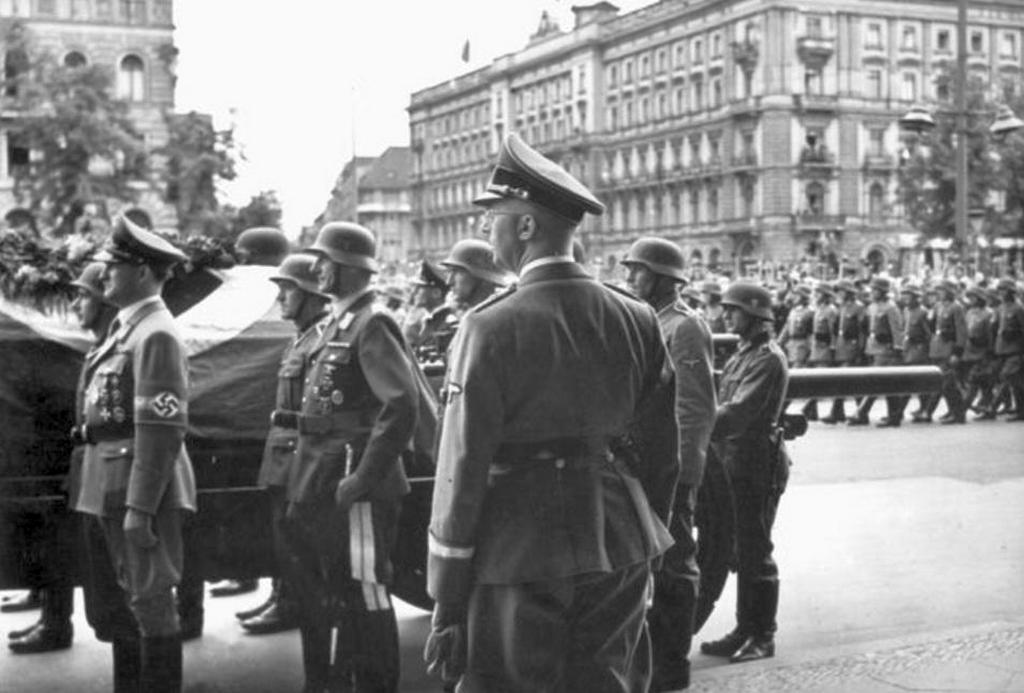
881 284
659 255
261 245
752 299
476 257
91 279
346 243
1006 284
297 269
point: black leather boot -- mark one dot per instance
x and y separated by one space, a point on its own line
764 605
127 666
755 647
161 664
670 622
725 646
316 657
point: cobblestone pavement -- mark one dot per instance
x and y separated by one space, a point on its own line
997 661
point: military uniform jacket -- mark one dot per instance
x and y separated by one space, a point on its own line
135 411
852 332
885 330
750 397
360 404
918 335
980 334
559 357
690 351
283 437
823 336
796 335
1010 329
950 336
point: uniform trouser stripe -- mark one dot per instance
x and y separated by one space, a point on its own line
376 597
362 551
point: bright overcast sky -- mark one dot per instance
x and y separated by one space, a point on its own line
291 72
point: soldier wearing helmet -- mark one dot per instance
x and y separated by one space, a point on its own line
884 346
714 312
850 336
1009 348
357 414
541 535
301 304
261 245
750 400
473 275
655 267
796 334
945 350
978 356
431 313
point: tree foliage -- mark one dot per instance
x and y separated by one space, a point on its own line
75 143
198 157
927 175
263 209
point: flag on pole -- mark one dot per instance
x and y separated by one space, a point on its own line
465 51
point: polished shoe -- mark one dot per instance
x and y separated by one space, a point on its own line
22 632
831 420
986 415
754 648
952 419
26 602
920 418
229 588
724 646
43 639
255 611
888 423
274 620
858 421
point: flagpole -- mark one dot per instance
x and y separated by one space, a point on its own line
355 162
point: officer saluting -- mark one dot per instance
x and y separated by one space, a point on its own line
136 476
544 522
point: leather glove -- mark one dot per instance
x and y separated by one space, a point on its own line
138 528
445 651
349 490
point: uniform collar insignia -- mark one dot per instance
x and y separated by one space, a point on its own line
346 320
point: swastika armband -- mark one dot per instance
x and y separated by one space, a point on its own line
164 407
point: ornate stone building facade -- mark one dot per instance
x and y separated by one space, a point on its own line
135 38
746 130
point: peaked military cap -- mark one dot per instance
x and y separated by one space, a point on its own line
131 243
523 173
431 276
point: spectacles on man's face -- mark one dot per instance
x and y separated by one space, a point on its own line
487 219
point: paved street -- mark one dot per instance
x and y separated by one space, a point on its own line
900 552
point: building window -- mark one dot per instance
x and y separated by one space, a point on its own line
613 75
695 151
942 90
714 150
74 59
874 35
15 64
874 78
645 65
133 11
46 8
698 50
748 83
909 91
812 82
1009 89
942 41
716 93
909 42
680 54
747 199
613 117
1008 47
748 148
876 142
662 60
977 42
815 196
680 100
716 46
627 114
713 204
698 94
694 207
104 9
814 26
644 109
662 108
627 72
80 9
131 81
876 202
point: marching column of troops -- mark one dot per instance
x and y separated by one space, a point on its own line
572 434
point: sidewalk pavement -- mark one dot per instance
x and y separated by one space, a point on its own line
977 659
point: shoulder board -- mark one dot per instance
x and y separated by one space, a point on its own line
619 290
493 298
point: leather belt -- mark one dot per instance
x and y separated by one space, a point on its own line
284 419
84 434
348 421
558 453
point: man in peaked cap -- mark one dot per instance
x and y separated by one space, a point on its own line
429 312
137 480
545 518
